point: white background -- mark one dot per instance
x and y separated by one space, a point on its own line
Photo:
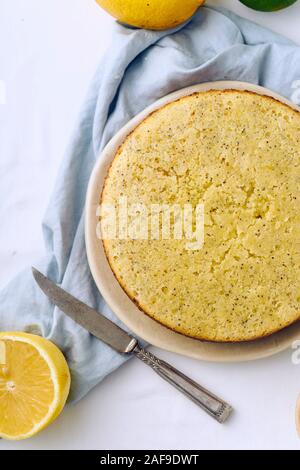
49 50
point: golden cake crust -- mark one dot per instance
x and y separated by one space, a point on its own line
236 152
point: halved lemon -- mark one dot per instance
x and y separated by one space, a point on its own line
34 384
268 5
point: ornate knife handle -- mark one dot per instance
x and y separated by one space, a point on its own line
218 409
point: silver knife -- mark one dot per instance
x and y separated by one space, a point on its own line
111 334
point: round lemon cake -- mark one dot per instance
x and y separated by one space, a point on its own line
236 156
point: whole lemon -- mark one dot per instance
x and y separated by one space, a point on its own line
151 14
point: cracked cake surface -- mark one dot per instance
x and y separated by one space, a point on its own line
238 154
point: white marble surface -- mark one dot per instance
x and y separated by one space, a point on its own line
49 51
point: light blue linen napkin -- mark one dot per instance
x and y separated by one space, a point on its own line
140 67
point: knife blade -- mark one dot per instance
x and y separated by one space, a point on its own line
118 339
87 317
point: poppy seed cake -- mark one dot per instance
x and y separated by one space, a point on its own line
237 153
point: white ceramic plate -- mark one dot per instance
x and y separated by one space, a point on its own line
138 322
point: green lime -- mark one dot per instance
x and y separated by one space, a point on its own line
268 5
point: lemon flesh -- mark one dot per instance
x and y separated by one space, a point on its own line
268 5
34 384
151 14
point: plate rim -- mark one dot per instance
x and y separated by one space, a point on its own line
125 309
